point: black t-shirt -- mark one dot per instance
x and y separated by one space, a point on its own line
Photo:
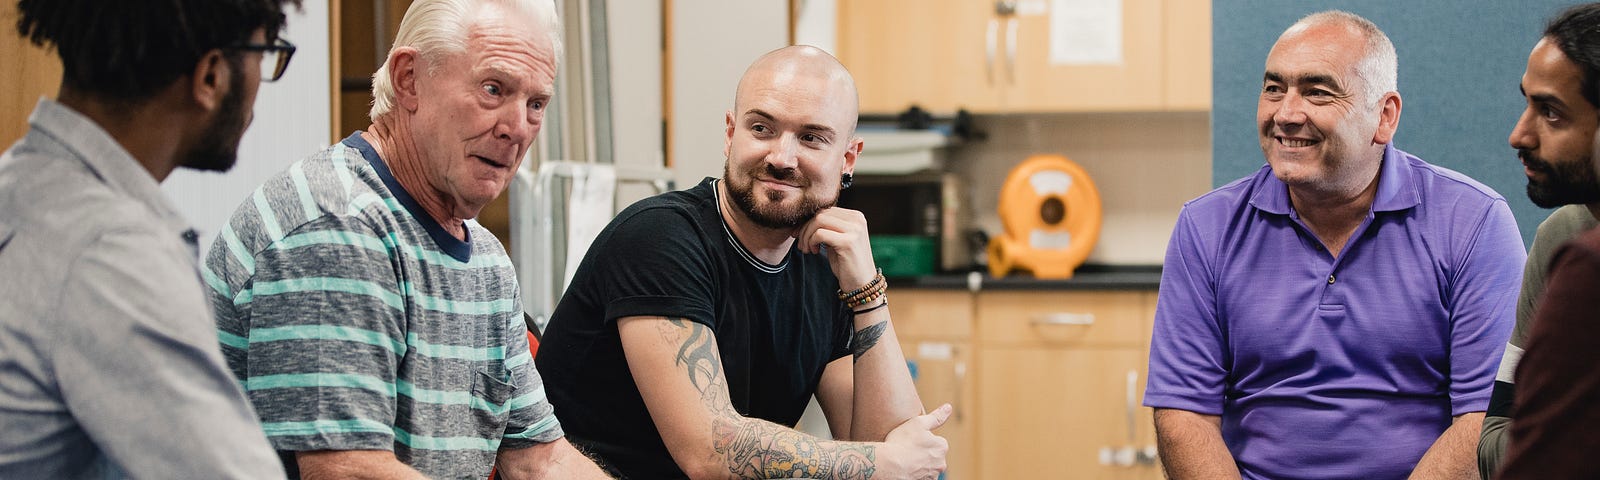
777 326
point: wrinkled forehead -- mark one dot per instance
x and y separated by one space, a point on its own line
1322 51
507 40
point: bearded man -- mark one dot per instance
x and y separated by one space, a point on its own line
701 322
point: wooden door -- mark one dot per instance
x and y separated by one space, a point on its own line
1133 84
932 53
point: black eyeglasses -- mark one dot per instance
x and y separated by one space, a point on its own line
274 57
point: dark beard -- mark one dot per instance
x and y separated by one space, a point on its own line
1564 184
773 215
219 145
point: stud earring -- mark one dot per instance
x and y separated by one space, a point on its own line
845 179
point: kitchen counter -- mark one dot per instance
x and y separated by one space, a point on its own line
1087 277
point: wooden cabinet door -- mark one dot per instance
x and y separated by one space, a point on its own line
935 332
944 376
1055 412
1188 54
931 53
1133 84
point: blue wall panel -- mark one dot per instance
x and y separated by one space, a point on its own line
1460 64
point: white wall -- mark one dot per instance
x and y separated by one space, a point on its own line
292 120
815 25
712 43
633 30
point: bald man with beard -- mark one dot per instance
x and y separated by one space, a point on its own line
701 322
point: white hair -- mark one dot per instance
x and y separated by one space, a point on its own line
1379 68
439 28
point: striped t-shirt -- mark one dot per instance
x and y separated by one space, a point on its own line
354 322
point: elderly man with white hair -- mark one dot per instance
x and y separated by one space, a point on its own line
376 328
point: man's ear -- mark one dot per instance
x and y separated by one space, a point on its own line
727 141
853 152
208 83
1388 118
405 64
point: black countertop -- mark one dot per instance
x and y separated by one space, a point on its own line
1086 277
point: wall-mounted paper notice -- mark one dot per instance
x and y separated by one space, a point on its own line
1086 32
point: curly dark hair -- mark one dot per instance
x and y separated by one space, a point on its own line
1576 31
130 49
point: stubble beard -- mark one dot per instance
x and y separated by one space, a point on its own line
218 150
1565 183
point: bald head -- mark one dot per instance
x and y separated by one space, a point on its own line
1377 68
804 76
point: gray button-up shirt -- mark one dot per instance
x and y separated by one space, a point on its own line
109 360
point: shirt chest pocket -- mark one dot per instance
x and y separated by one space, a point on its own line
490 397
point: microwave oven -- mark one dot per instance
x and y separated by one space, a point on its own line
916 222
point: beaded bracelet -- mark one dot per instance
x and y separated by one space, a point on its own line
868 296
876 279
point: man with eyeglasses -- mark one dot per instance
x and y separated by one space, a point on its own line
109 363
377 328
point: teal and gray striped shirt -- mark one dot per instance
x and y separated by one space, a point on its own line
354 322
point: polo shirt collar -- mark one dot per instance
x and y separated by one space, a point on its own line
1397 189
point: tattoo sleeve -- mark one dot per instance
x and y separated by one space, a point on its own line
866 338
753 448
698 355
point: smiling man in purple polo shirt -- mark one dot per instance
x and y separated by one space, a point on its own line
1341 312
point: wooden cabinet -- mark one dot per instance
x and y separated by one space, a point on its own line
932 53
1060 384
935 332
1041 85
993 56
1046 383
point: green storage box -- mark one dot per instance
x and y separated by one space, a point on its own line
904 255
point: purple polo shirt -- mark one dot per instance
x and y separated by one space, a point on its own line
1336 368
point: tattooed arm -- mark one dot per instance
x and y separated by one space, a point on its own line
881 395
679 374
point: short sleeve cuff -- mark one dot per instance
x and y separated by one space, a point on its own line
1464 404
544 431
660 306
1192 403
330 435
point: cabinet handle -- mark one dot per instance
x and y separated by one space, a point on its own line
1064 318
991 40
1011 51
1133 406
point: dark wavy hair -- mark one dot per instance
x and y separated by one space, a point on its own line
1576 31
130 49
